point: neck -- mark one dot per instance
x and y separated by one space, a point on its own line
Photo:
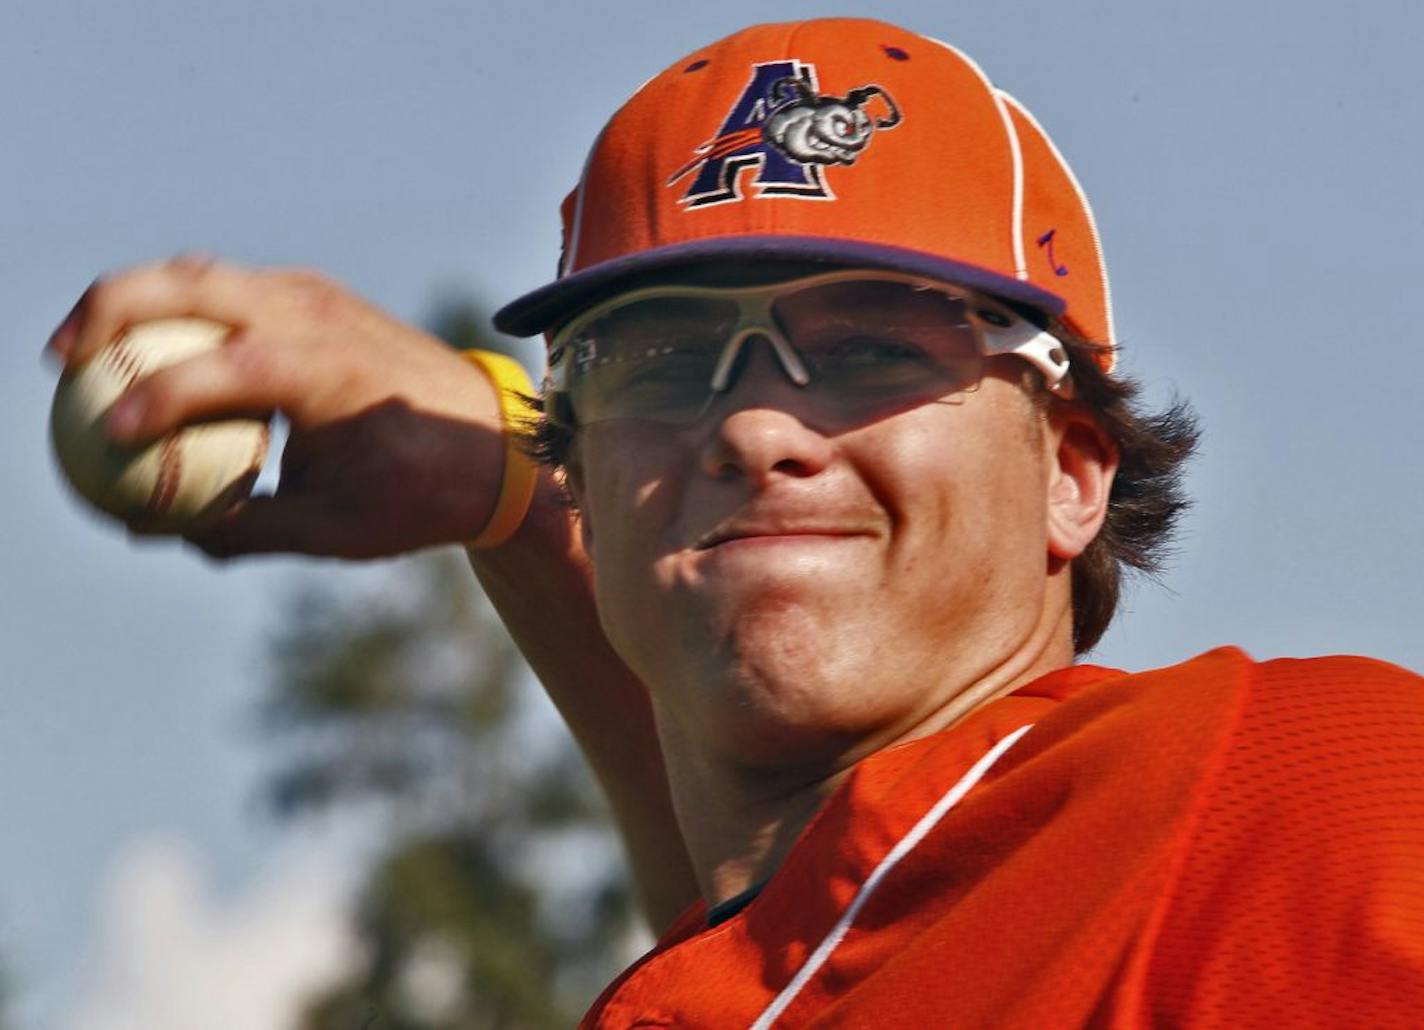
739 821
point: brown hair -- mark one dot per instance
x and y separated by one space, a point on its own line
1148 497
1145 505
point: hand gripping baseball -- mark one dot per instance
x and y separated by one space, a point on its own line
395 440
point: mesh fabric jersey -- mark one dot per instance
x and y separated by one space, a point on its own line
1222 843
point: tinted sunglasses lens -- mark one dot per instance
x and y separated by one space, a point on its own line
872 343
651 358
871 346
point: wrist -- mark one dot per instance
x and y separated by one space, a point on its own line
520 472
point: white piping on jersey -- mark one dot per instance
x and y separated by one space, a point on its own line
1087 209
1015 152
902 847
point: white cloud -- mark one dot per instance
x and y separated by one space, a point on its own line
172 956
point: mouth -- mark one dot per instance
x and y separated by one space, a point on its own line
748 534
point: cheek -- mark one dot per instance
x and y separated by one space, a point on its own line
626 484
622 477
967 491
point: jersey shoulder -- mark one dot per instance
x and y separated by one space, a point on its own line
1297 889
1302 735
1339 718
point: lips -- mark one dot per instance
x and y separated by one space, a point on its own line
755 528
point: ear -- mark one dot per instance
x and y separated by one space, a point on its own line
1081 472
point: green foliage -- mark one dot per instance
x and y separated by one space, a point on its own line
499 899
463 323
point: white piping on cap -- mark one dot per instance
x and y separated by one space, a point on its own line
576 222
1016 216
1087 208
902 847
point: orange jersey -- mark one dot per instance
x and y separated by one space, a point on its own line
1217 844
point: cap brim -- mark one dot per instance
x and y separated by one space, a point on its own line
545 307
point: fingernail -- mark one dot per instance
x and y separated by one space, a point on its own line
62 339
127 413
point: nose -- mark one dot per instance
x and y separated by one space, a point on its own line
764 425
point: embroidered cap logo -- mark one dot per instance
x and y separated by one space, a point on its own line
789 132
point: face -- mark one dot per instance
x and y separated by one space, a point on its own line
789 586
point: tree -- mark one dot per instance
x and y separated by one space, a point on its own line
499 899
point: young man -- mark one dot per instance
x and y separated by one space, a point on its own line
830 386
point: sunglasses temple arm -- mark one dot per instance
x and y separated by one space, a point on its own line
1038 347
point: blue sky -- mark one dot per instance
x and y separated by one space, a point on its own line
1255 171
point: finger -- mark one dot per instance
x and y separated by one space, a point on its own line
188 285
243 378
68 341
301 524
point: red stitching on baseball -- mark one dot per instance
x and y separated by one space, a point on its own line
128 363
170 470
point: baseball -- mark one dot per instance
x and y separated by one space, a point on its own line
172 482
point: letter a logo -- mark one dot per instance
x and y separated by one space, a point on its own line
741 144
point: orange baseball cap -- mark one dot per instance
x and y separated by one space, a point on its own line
841 140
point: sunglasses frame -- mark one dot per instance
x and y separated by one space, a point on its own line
998 330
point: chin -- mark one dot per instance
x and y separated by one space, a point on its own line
793 709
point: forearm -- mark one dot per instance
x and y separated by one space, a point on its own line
383 417
540 583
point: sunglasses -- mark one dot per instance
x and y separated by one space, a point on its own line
862 343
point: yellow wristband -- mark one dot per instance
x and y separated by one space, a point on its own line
516 488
